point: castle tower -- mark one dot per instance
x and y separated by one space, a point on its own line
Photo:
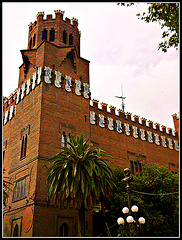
51 102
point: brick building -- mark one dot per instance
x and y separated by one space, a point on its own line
52 101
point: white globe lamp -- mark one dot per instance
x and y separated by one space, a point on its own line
129 219
134 208
141 220
125 210
120 221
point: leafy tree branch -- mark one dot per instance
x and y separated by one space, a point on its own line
167 15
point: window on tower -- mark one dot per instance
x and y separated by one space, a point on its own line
70 39
52 35
30 43
64 37
34 37
44 34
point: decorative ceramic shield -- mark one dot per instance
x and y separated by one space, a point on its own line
27 219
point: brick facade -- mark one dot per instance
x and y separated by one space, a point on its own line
49 103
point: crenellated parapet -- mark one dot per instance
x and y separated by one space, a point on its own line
58 17
123 123
49 76
57 30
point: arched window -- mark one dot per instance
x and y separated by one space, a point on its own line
16 230
64 230
52 35
44 34
70 39
64 37
34 37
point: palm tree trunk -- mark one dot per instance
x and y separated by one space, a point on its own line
81 220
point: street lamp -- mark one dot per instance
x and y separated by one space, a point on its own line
131 226
128 178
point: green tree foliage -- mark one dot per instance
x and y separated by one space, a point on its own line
167 14
80 171
151 192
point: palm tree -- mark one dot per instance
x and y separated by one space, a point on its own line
79 171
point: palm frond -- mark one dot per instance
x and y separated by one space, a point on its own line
81 170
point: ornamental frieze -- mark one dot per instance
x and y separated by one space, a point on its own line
47 74
138 133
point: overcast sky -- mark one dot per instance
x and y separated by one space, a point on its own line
122 50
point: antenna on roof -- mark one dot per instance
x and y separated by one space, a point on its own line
123 105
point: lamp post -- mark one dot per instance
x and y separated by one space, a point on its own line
131 226
128 178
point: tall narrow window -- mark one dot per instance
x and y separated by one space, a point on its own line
64 37
131 167
70 39
68 140
34 37
136 167
63 140
3 155
44 34
52 34
30 43
140 167
23 147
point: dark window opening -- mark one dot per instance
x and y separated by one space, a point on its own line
16 230
64 231
136 167
30 43
70 39
44 34
34 37
23 147
3 155
131 167
52 35
64 37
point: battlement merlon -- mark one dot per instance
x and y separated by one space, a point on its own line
176 122
40 16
